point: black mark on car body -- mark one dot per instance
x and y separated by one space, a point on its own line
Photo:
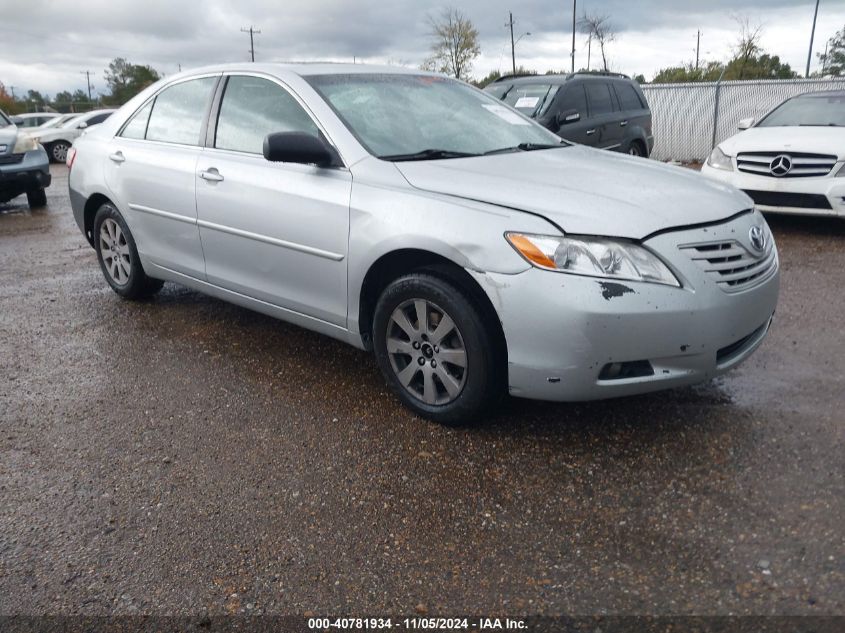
611 290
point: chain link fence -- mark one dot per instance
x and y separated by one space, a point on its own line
686 115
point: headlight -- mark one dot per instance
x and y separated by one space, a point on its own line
719 160
592 256
24 144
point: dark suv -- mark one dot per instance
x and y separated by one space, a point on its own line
604 110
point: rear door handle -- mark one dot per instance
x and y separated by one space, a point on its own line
591 132
211 175
623 123
117 157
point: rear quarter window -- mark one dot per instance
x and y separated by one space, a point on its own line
628 97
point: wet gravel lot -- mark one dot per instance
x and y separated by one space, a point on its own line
184 456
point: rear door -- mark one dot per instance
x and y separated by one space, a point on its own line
636 117
603 115
152 172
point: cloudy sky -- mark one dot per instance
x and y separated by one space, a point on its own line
47 43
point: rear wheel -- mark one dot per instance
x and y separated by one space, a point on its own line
57 151
434 349
36 198
118 256
636 149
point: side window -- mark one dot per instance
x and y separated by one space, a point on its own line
574 98
178 112
94 120
137 126
251 109
628 97
599 95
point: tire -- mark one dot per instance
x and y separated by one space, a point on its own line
36 198
118 256
57 151
636 149
413 358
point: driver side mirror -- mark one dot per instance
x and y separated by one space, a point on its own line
746 123
568 116
82 125
299 147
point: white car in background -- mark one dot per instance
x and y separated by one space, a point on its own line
33 119
57 140
792 160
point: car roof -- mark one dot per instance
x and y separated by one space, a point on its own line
561 78
822 93
25 115
305 69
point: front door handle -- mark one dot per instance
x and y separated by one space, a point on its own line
117 157
623 123
591 132
211 175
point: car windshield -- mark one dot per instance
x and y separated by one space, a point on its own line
418 117
72 122
821 110
527 98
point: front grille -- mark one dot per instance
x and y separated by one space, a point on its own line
783 199
11 159
731 265
801 164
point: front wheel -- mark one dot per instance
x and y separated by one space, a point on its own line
118 256
636 149
58 151
435 351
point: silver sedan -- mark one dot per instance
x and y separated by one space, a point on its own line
471 250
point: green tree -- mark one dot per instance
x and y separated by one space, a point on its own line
834 64
7 103
125 80
454 44
709 71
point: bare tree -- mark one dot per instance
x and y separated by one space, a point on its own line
454 46
599 29
747 47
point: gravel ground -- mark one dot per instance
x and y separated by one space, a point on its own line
185 456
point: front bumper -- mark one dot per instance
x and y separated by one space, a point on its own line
32 172
823 195
566 334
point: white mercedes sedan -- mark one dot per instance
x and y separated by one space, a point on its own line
472 251
792 160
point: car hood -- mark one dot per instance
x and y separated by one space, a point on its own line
8 136
817 140
583 190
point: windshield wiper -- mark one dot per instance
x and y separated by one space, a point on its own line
525 147
428 154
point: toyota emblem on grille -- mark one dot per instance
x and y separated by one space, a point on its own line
758 238
781 165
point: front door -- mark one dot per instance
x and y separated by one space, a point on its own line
276 232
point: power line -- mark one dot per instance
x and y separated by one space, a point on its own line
251 30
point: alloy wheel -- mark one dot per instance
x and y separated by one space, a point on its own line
60 152
115 252
427 352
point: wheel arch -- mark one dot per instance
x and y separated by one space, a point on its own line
399 262
92 205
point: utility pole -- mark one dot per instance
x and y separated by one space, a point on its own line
87 74
572 54
513 46
697 47
12 88
812 36
251 30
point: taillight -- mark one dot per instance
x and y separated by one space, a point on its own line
71 156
